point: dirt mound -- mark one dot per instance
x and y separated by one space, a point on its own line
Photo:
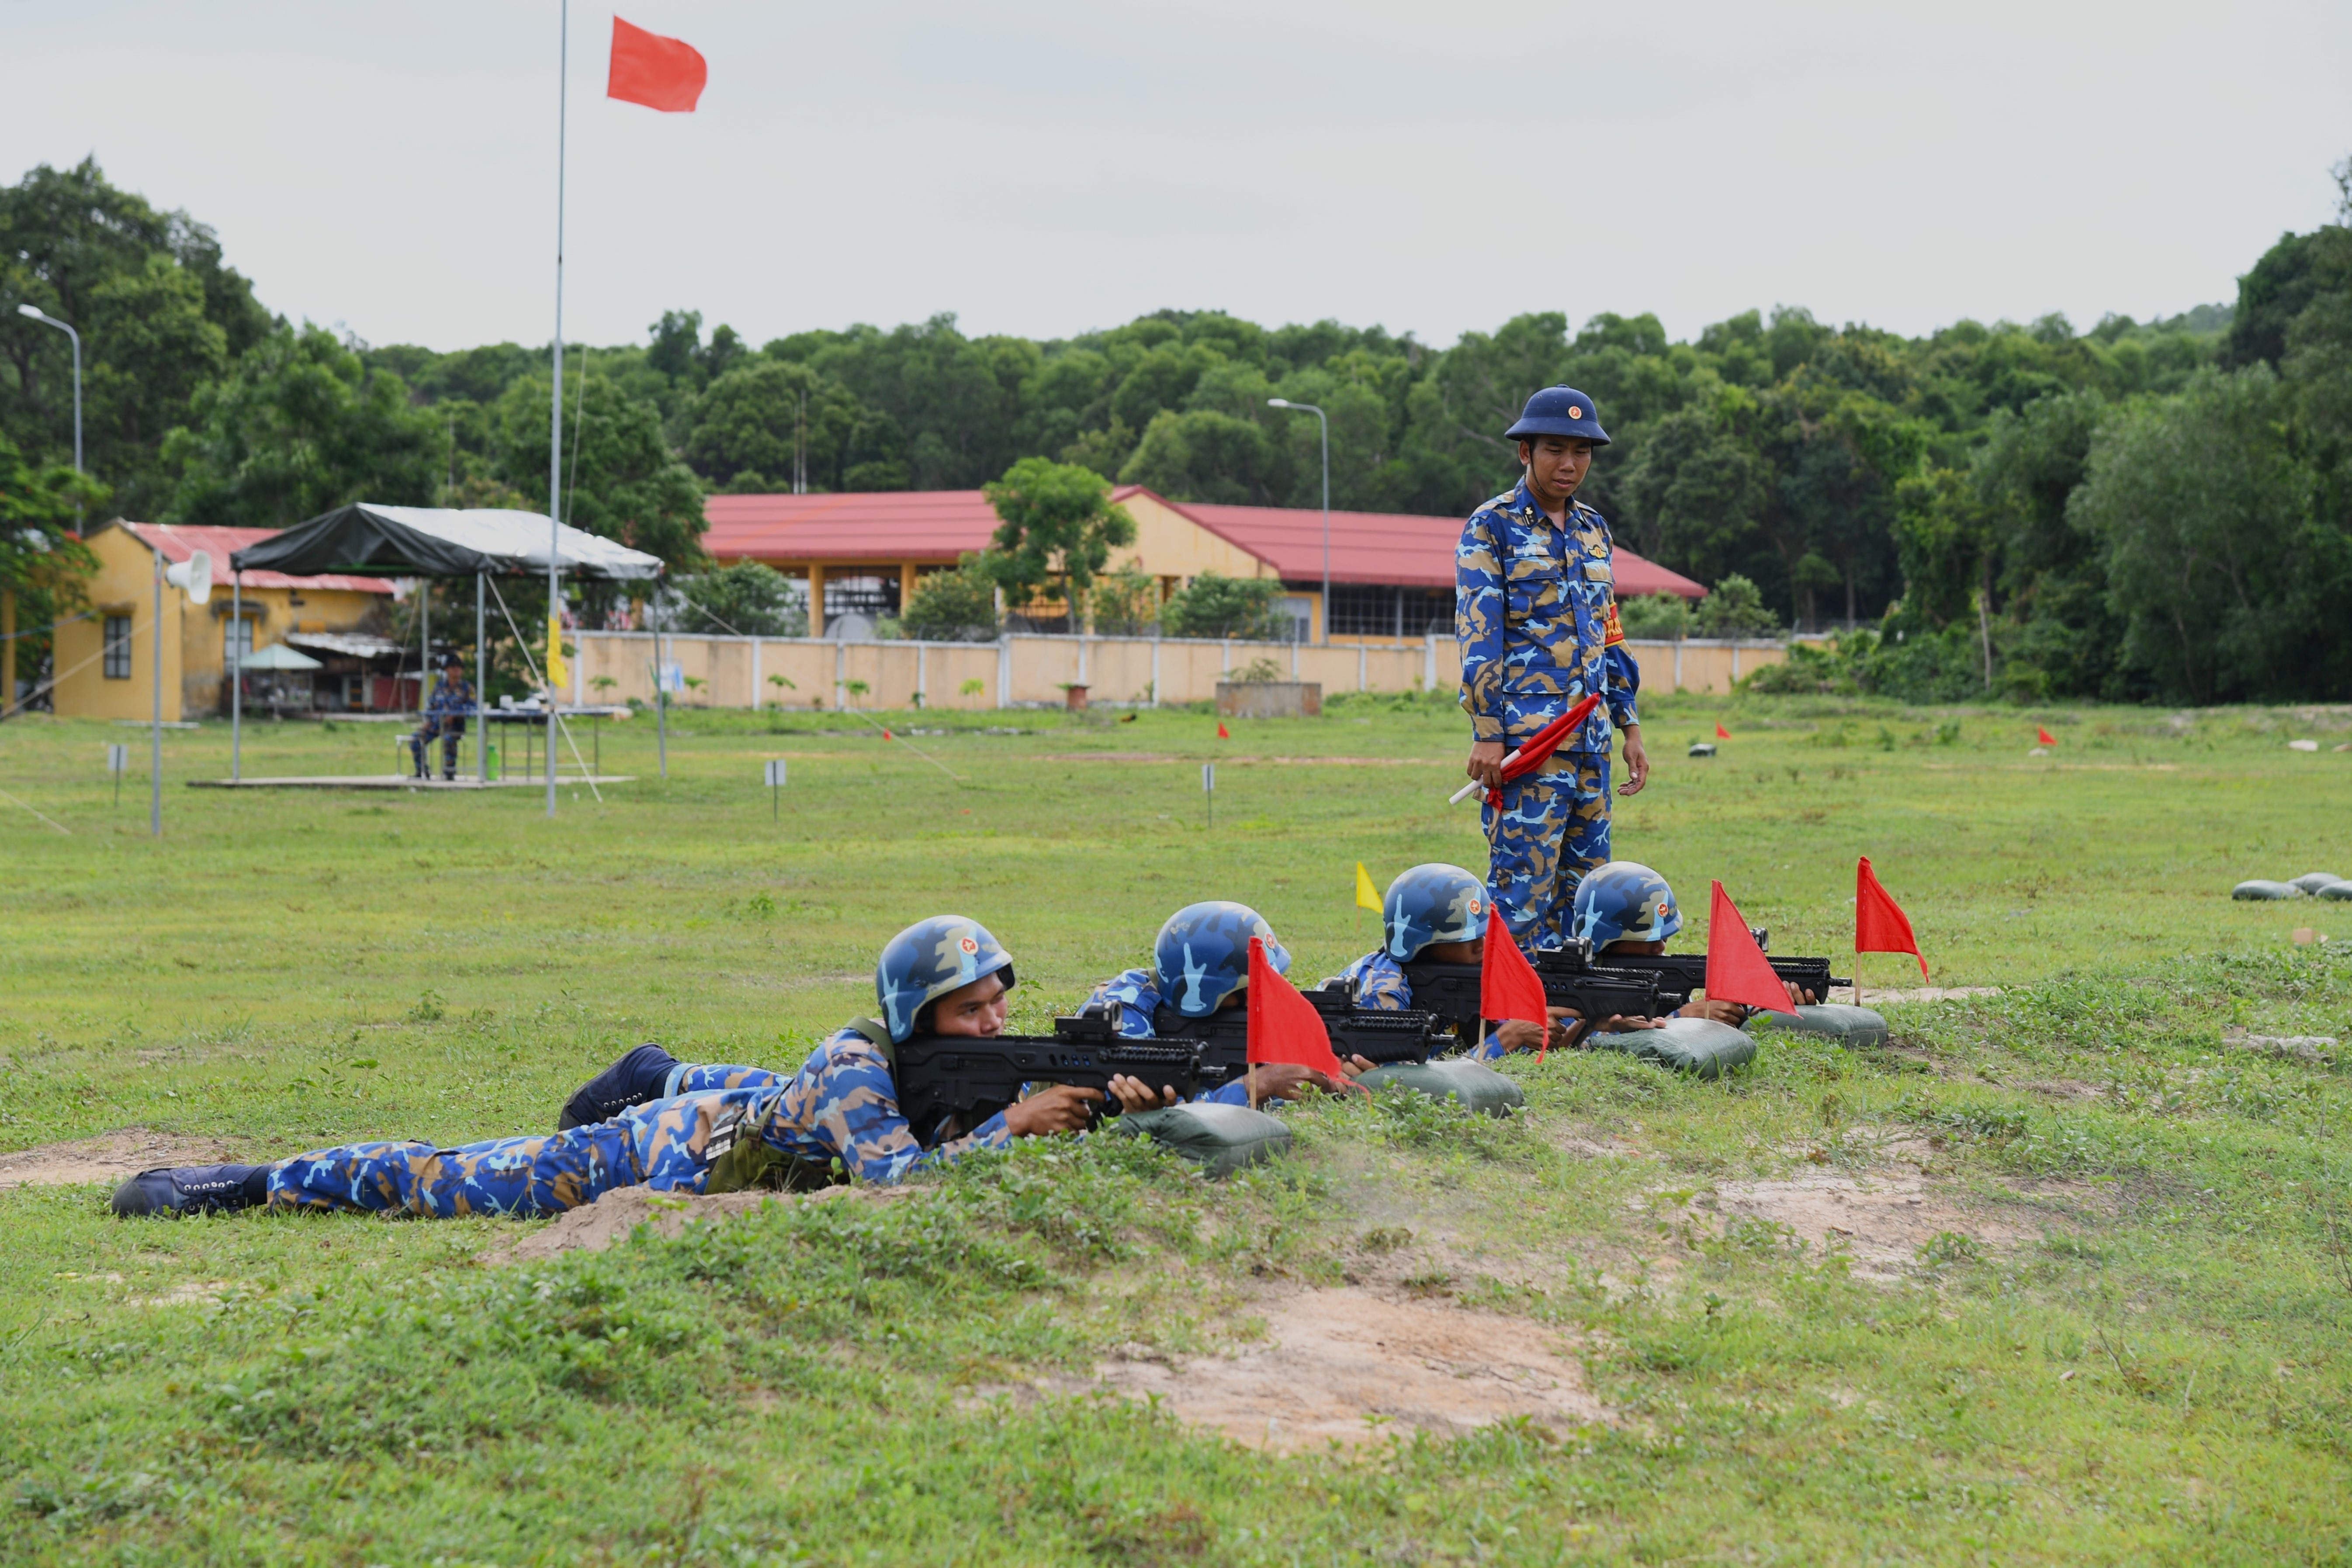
1880 1221
109 1157
1347 1364
615 1217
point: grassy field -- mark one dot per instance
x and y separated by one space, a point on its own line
2120 1341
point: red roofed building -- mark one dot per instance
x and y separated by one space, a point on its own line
1391 573
106 661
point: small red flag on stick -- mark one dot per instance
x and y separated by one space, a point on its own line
2045 736
1507 986
1879 923
1536 749
1737 969
1221 731
661 73
1284 1026
1720 732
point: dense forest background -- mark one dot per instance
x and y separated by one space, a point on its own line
2141 511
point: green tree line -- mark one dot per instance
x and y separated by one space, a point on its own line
2153 510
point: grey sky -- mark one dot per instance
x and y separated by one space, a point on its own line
1045 167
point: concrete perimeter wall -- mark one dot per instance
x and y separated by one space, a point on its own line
1028 670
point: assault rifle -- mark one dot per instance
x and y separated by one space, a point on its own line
1680 973
1453 991
1383 1038
971 1077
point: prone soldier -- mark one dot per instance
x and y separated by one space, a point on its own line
946 974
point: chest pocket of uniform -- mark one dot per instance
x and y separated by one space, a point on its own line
1531 584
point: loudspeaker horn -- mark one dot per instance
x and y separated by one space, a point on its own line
194 575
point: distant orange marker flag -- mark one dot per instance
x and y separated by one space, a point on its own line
1879 923
1737 969
1720 732
1284 1026
2045 736
887 736
1221 731
1507 986
668 74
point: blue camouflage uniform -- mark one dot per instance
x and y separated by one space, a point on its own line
841 1106
1536 615
445 712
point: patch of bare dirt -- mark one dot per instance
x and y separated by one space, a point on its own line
1353 1365
109 1157
1880 1221
615 1217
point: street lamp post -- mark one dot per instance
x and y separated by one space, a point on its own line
35 313
1324 420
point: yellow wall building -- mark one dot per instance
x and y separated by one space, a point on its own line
107 660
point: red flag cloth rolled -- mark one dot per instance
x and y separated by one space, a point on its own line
2045 736
1879 923
1284 1026
1221 731
1721 733
661 73
1507 986
1538 748
1737 969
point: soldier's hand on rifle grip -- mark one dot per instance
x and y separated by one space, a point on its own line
1133 1094
1487 763
1060 1107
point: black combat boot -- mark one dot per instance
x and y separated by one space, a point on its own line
192 1189
636 1079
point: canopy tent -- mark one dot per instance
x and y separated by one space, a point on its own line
277 656
437 541
441 541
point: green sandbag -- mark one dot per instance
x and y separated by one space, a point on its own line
1478 1086
2316 883
1831 1020
1219 1138
2259 889
1698 1045
2338 890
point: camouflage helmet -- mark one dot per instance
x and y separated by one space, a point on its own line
1435 902
1625 900
929 959
1203 954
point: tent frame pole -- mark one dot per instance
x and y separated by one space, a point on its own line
481 689
236 677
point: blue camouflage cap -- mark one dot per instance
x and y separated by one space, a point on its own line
1625 900
1435 902
929 959
1559 411
1203 954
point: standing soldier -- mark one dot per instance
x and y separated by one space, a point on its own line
1535 613
444 715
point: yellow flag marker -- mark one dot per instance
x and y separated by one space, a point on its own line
1366 897
559 674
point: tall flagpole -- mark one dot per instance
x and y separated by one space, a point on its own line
555 408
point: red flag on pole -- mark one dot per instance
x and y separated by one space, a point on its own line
1737 969
1532 752
1507 986
2045 736
661 73
1221 731
1879 923
1284 1026
1720 732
